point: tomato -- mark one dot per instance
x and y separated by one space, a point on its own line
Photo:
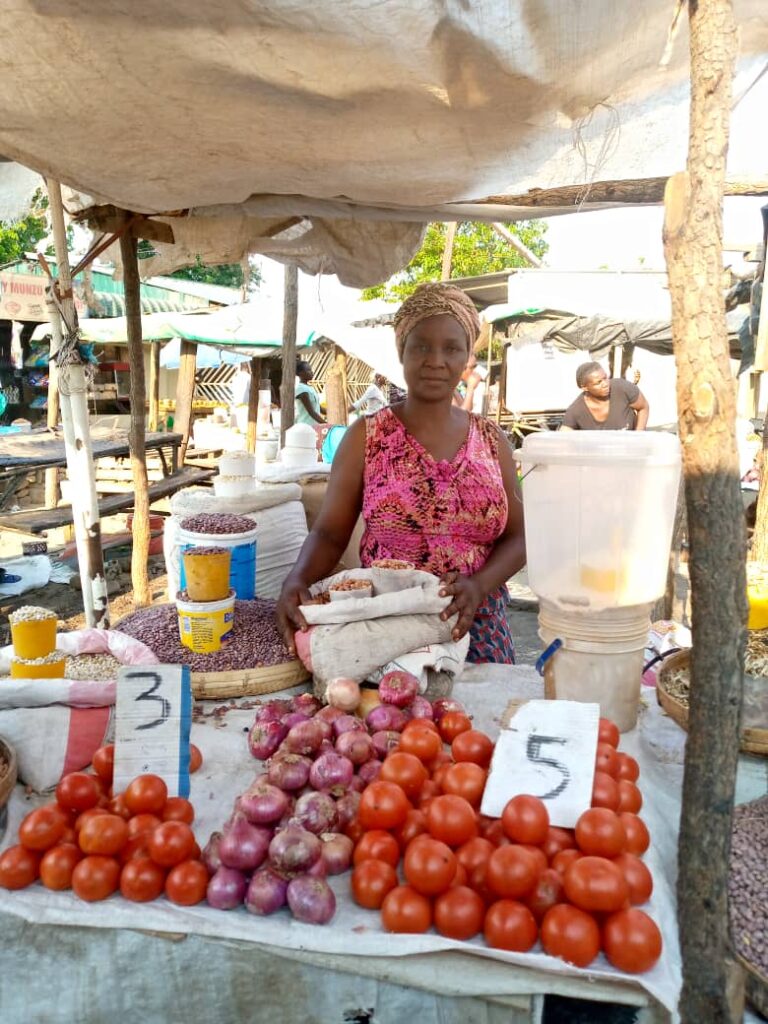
141 880
405 910
18 867
558 839
429 790
92 812
57 866
628 768
459 913
42 828
570 934
371 881
630 797
538 855
466 780
95 877
104 762
637 877
510 925
354 830
68 836
78 791
473 852
177 808
170 843
605 792
595 884
631 941
452 724
135 847
186 883
608 732
419 723
461 877
512 872
117 805
383 805
600 833
195 758
473 746
422 742
607 760
443 759
562 860
415 824
495 834
104 833
638 837
547 892
452 820
142 823
429 866
377 845
525 819
478 880
439 773
146 794
405 770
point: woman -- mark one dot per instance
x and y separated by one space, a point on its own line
436 485
605 404
306 403
372 399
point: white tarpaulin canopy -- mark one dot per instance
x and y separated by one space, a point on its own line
363 119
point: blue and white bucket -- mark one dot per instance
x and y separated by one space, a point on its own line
242 572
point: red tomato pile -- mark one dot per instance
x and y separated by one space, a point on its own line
95 842
425 857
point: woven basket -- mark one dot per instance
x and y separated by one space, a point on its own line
753 741
7 781
250 682
756 987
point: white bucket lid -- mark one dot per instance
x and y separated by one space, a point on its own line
601 447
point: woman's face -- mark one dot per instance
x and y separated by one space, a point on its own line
597 384
434 357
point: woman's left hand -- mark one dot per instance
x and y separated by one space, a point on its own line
467 598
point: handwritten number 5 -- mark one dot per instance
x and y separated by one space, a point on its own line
149 694
533 753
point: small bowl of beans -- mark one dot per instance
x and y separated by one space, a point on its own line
350 588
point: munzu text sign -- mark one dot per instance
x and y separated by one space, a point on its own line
548 750
153 719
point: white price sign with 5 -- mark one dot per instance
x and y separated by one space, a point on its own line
548 750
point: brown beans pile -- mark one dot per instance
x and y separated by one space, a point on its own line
217 523
346 585
391 563
255 640
748 882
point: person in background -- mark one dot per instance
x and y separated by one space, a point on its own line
605 404
372 399
306 405
471 397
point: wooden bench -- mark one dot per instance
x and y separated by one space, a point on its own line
42 519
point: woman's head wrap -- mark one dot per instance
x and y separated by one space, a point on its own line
432 299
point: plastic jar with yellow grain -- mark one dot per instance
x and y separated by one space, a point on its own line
33 631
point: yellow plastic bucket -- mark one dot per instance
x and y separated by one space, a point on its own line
41 669
205 626
207 573
757 595
34 638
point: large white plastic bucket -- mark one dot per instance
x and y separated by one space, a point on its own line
601 658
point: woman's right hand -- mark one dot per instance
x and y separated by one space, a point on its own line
288 614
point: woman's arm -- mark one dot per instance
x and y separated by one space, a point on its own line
641 407
304 399
330 534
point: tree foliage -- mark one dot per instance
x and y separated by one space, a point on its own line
227 275
22 236
477 249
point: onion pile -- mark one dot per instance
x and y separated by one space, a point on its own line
287 832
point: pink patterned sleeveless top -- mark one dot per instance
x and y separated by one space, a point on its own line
440 515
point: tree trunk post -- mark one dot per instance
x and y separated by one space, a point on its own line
290 318
336 390
712 981
136 433
185 394
450 238
759 551
154 385
253 405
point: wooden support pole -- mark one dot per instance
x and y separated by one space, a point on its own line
520 248
450 238
336 390
185 394
706 397
52 419
154 385
290 318
136 433
253 405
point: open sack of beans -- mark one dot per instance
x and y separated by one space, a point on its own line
364 620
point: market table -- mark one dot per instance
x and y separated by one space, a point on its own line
167 963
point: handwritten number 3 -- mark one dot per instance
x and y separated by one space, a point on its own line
149 694
533 753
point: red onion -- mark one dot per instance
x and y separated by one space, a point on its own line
357 746
384 741
288 813
226 889
311 900
343 694
369 772
325 746
289 771
329 713
346 808
356 784
294 718
316 812
263 740
268 713
267 892
262 803
318 869
210 855
304 738
398 688
331 772
244 846
336 852
443 705
326 728
347 723
421 708
385 717
294 849
307 703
